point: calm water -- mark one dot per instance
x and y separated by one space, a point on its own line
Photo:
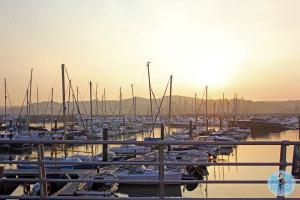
247 154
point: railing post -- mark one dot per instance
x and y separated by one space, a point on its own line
42 173
104 146
299 127
162 131
161 171
283 163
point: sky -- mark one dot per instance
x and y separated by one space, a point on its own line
248 47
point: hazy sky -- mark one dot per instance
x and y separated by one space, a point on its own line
251 47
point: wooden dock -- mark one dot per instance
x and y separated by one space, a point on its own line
68 189
71 187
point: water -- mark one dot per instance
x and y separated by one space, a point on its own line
247 154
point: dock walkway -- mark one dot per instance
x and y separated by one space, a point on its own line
68 189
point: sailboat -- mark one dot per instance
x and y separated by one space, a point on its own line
143 173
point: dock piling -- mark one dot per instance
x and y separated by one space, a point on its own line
104 146
162 131
161 172
282 165
42 172
299 126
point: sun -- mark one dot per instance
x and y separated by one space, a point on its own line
217 67
211 58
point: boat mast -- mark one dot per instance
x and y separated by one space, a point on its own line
77 97
27 108
64 99
37 101
206 106
135 108
91 105
120 103
150 93
195 104
102 105
244 106
170 104
104 98
69 99
97 108
228 111
133 103
214 112
235 108
51 108
223 104
29 100
223 111
5 101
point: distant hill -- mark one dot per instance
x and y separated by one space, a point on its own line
180 105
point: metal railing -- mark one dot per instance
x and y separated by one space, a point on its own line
161 163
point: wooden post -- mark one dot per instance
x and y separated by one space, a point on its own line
161 172
162 131
282 167
42 173
1 171
104 146
299 127
221 122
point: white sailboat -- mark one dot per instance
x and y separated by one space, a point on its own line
146 174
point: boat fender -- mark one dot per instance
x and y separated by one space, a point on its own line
26 188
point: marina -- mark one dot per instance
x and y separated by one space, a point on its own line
221 169
149 100
102 156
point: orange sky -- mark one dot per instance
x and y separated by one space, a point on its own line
248 47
